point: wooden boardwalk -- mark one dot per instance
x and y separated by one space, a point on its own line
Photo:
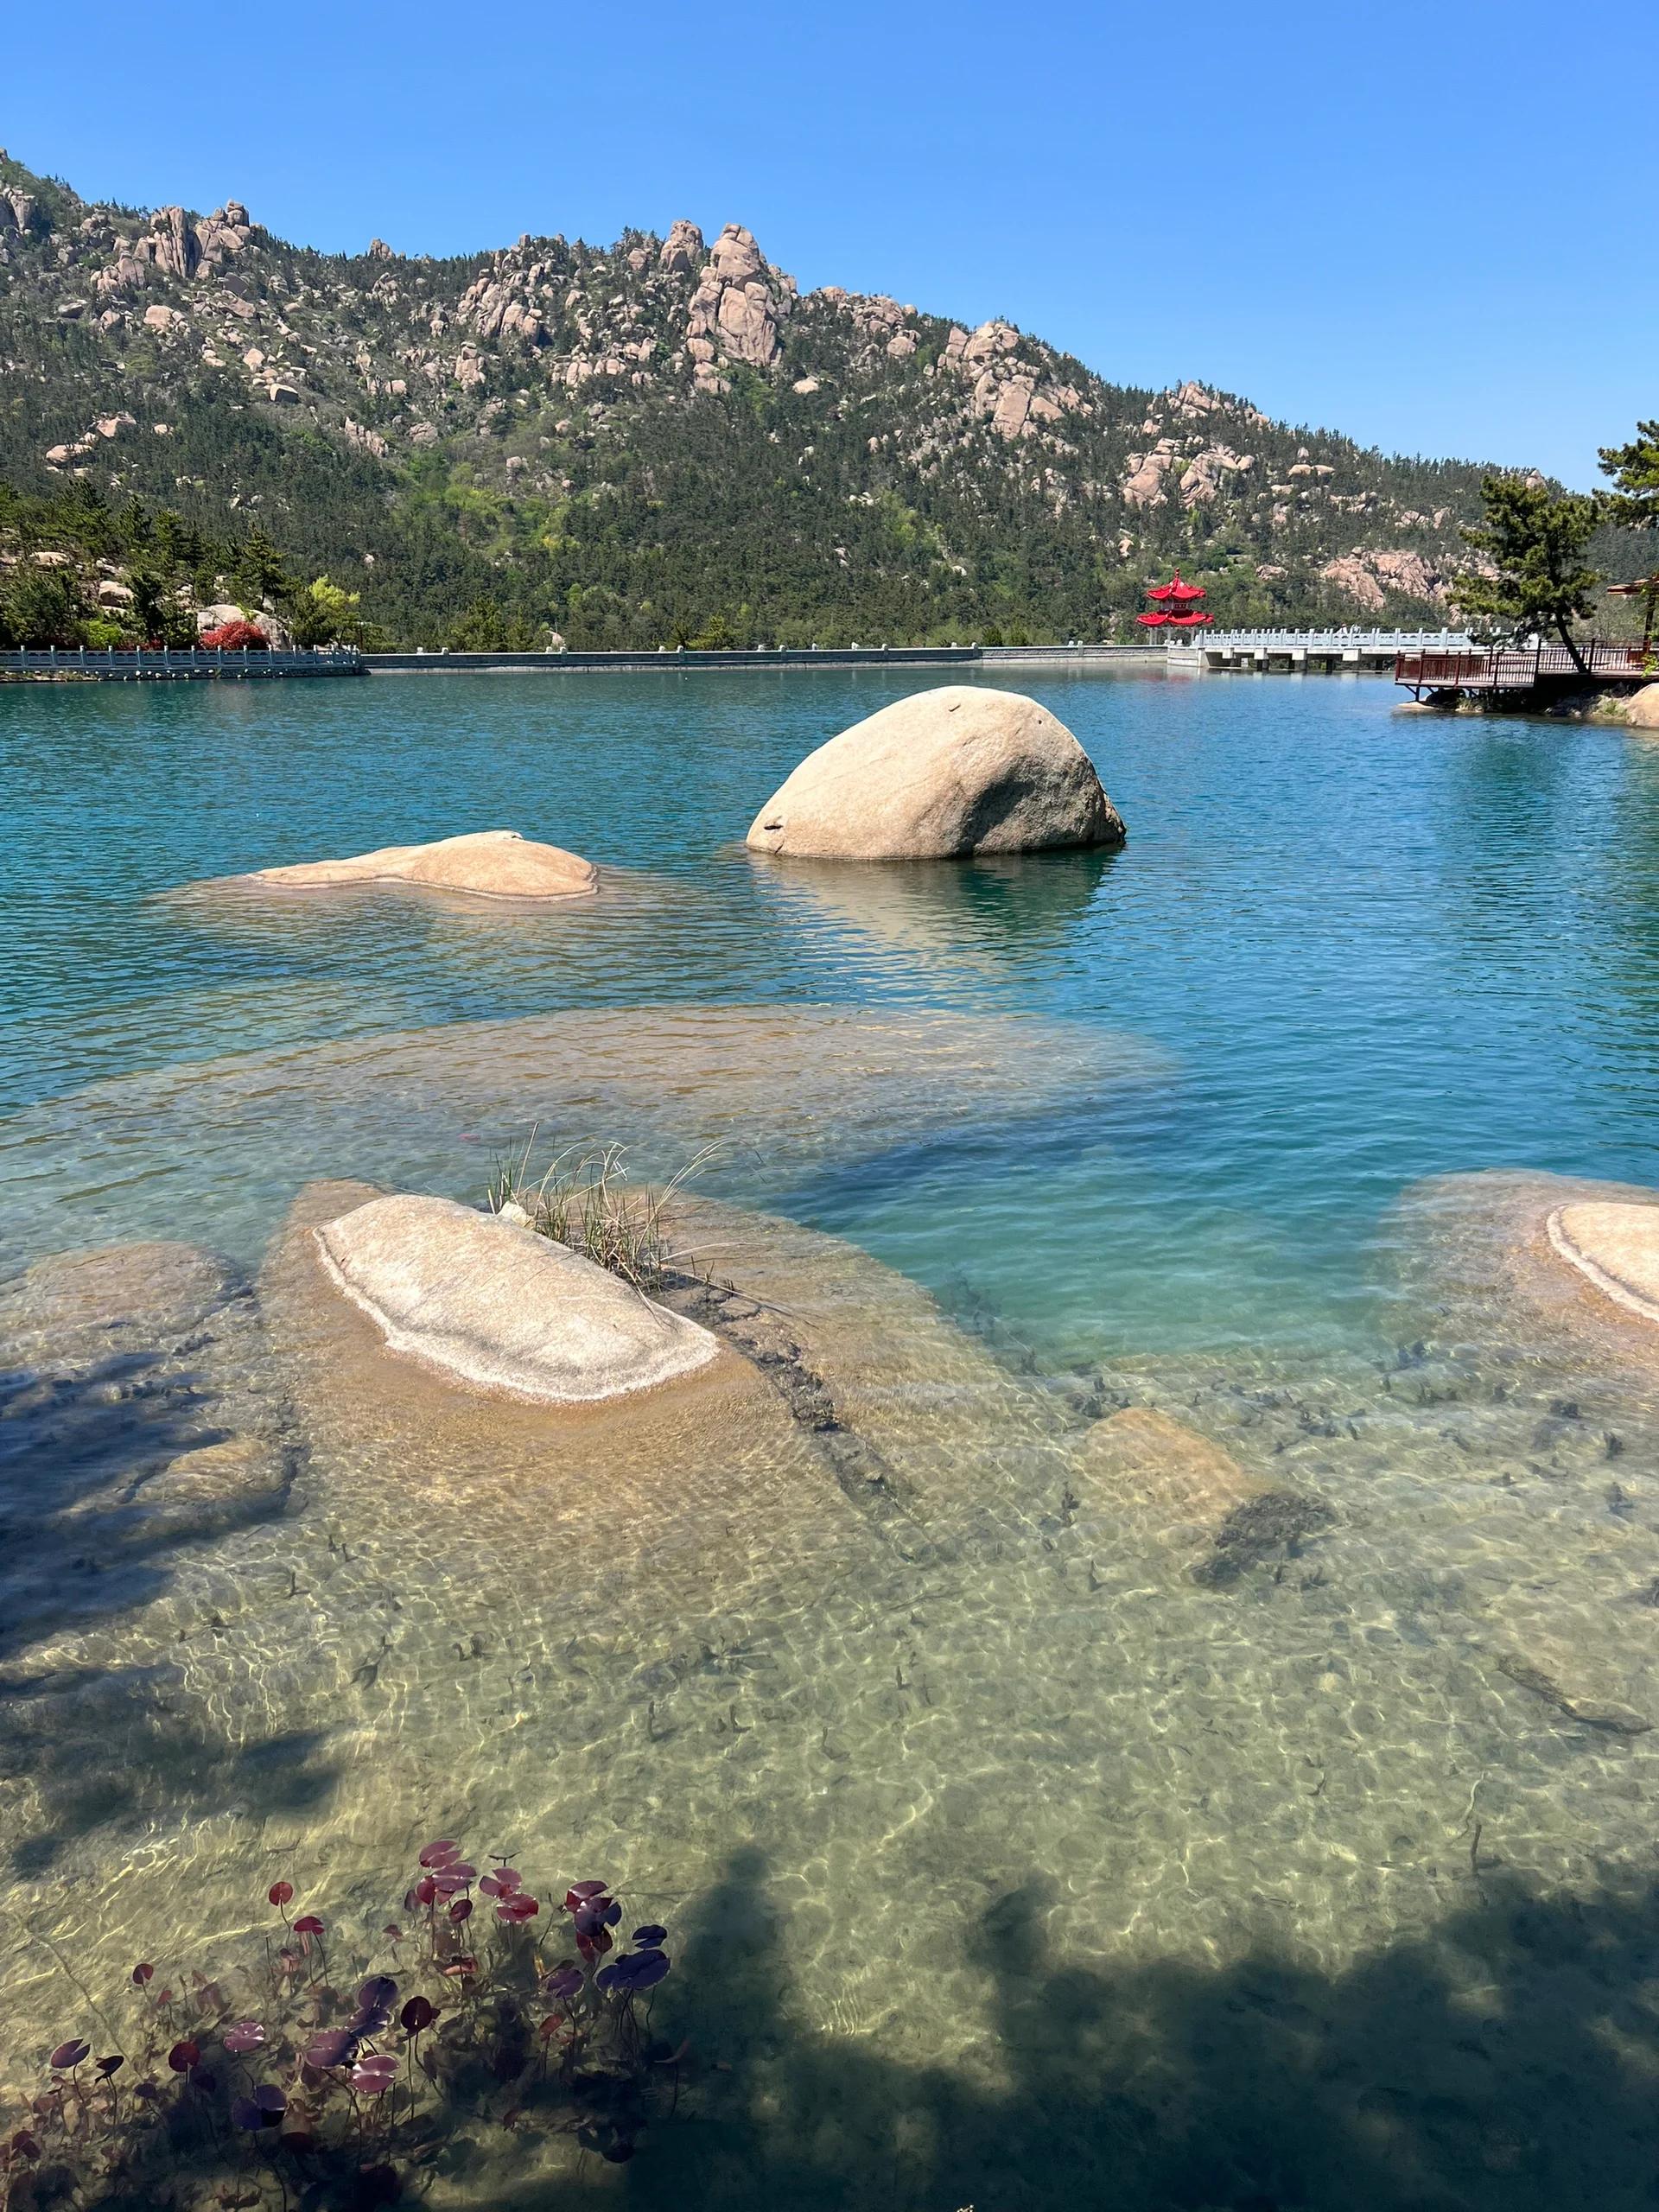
1520 668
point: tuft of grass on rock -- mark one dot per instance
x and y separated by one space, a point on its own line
585 1199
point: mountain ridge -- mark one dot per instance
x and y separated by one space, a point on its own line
663 439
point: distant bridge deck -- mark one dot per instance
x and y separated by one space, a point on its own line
1520 668
1254 651
690 661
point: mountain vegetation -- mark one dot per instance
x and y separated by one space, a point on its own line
657 442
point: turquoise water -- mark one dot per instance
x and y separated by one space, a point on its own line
1374 948
1018 1867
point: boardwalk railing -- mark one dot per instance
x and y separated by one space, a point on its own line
1518 668
1374 643
192 665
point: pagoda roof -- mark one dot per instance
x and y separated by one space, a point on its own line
1176 589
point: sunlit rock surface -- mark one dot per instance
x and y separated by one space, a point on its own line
1615 1247
940 775
484 1302
486 863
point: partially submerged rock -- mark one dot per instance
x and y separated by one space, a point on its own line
486 863
940 775
1560 1267
1642 708
489 1303
657 1508
1615 1246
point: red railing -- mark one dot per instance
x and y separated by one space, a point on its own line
1510 668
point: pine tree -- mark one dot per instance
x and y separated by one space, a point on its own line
1634 505
1533 539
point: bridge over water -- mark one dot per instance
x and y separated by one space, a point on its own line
1254 651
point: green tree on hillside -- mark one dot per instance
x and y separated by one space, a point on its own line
1535 579
324 613
260 572
156 614
487 627
716 635
42 608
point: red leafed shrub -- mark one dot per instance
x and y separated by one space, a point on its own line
303 2081
235 637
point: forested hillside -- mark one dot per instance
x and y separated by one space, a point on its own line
655 443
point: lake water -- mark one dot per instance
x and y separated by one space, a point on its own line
1017 1866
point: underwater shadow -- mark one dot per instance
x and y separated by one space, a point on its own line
113 1748
112 1468
1507 2062
98 1494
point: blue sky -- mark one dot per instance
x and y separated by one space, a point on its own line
1432 227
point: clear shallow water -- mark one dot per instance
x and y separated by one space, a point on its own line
1155 1889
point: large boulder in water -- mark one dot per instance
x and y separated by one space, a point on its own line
1642 708
942 775
488 863
488 1303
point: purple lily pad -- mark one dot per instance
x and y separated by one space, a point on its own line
638 1970
332 2047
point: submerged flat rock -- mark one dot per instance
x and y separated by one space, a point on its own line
486 863
496 1306
1141 1457
111 1295
942 775
1616 1247
785 1083
1151 1477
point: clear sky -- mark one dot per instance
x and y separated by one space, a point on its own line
1430 226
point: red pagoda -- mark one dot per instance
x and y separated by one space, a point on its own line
1174 607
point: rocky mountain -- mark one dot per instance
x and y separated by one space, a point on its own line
665 440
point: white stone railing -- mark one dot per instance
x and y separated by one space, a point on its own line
1329 641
